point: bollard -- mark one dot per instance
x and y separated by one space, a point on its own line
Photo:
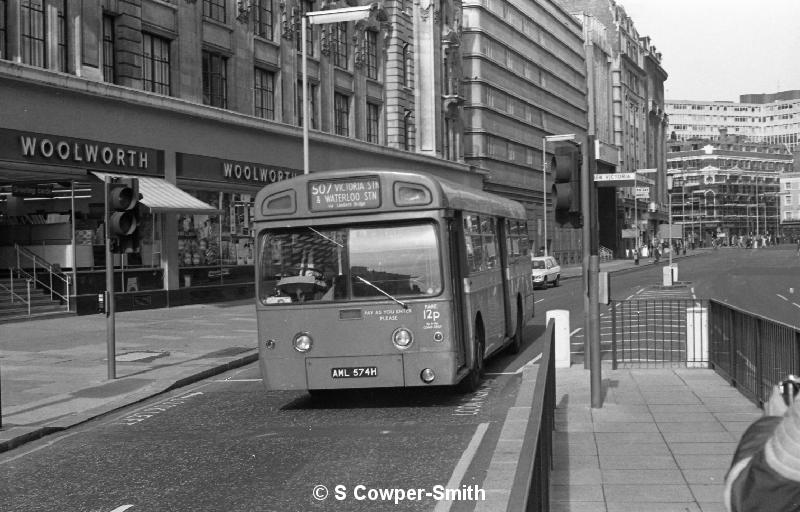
674 272
561 318
666 274
696 337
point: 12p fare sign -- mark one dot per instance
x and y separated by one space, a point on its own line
347 194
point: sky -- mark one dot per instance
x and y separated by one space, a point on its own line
716 50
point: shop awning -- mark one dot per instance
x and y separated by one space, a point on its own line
162 196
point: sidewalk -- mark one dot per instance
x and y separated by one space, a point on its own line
54 372
570 271
662 441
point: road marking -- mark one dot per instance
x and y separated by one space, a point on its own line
575 331
122 508
795 304
521 369
781 296
462 465
148 411
237 380
538 301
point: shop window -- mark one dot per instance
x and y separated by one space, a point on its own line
263 21
215 80
264 89
155 65
32 25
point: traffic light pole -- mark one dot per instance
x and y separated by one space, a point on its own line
591 271
111 351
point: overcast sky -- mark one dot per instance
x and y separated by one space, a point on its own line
719 49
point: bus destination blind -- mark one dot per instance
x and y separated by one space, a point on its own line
350 194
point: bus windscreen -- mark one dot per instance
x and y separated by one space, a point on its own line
347 263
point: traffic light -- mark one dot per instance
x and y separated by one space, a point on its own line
122 213
567 186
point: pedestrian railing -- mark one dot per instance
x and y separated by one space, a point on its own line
658 333
751 352
531 487
14 297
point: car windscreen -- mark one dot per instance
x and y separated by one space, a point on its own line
349 263
537 264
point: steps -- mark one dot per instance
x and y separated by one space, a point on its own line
41 303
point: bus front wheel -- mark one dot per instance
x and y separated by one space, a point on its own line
472 381
516 342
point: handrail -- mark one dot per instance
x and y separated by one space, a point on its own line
13 294
38 261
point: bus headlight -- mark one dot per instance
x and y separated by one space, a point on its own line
402 338
427 376
302 342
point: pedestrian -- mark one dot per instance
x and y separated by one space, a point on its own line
765 473
798 246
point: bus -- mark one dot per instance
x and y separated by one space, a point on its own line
378 278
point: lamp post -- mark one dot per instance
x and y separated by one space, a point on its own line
552 138
636 210
361 12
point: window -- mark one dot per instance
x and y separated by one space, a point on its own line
264 89
787 200
3 23
343 264
481 243
312 104
405 77
214 9
341 114
371 41
155 64
263 19
33 32
373 122
407 130
109 63
215 80
306 6
339 40
61 17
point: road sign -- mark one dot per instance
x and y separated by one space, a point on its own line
642 192
621 179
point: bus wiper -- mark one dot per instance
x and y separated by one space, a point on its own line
405 306
326 237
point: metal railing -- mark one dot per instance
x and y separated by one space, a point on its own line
531 487
605 253
36 269
751 352
658 333
14 295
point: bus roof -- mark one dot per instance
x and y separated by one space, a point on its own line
330 193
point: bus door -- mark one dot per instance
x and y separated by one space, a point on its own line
509 302
455 245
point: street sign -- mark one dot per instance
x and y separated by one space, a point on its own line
666 231
642 192
621 179
628 233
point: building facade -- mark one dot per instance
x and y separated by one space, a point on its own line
639 126
727 189
203 102
524 78
769 118
789 196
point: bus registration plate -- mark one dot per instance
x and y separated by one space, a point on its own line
354 372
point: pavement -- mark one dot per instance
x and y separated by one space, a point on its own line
54 373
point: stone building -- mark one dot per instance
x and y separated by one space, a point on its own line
202 101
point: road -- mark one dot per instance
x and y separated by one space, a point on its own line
224 444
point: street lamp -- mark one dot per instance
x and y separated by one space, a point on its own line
552 138
361 12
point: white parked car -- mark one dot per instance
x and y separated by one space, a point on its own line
545 269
